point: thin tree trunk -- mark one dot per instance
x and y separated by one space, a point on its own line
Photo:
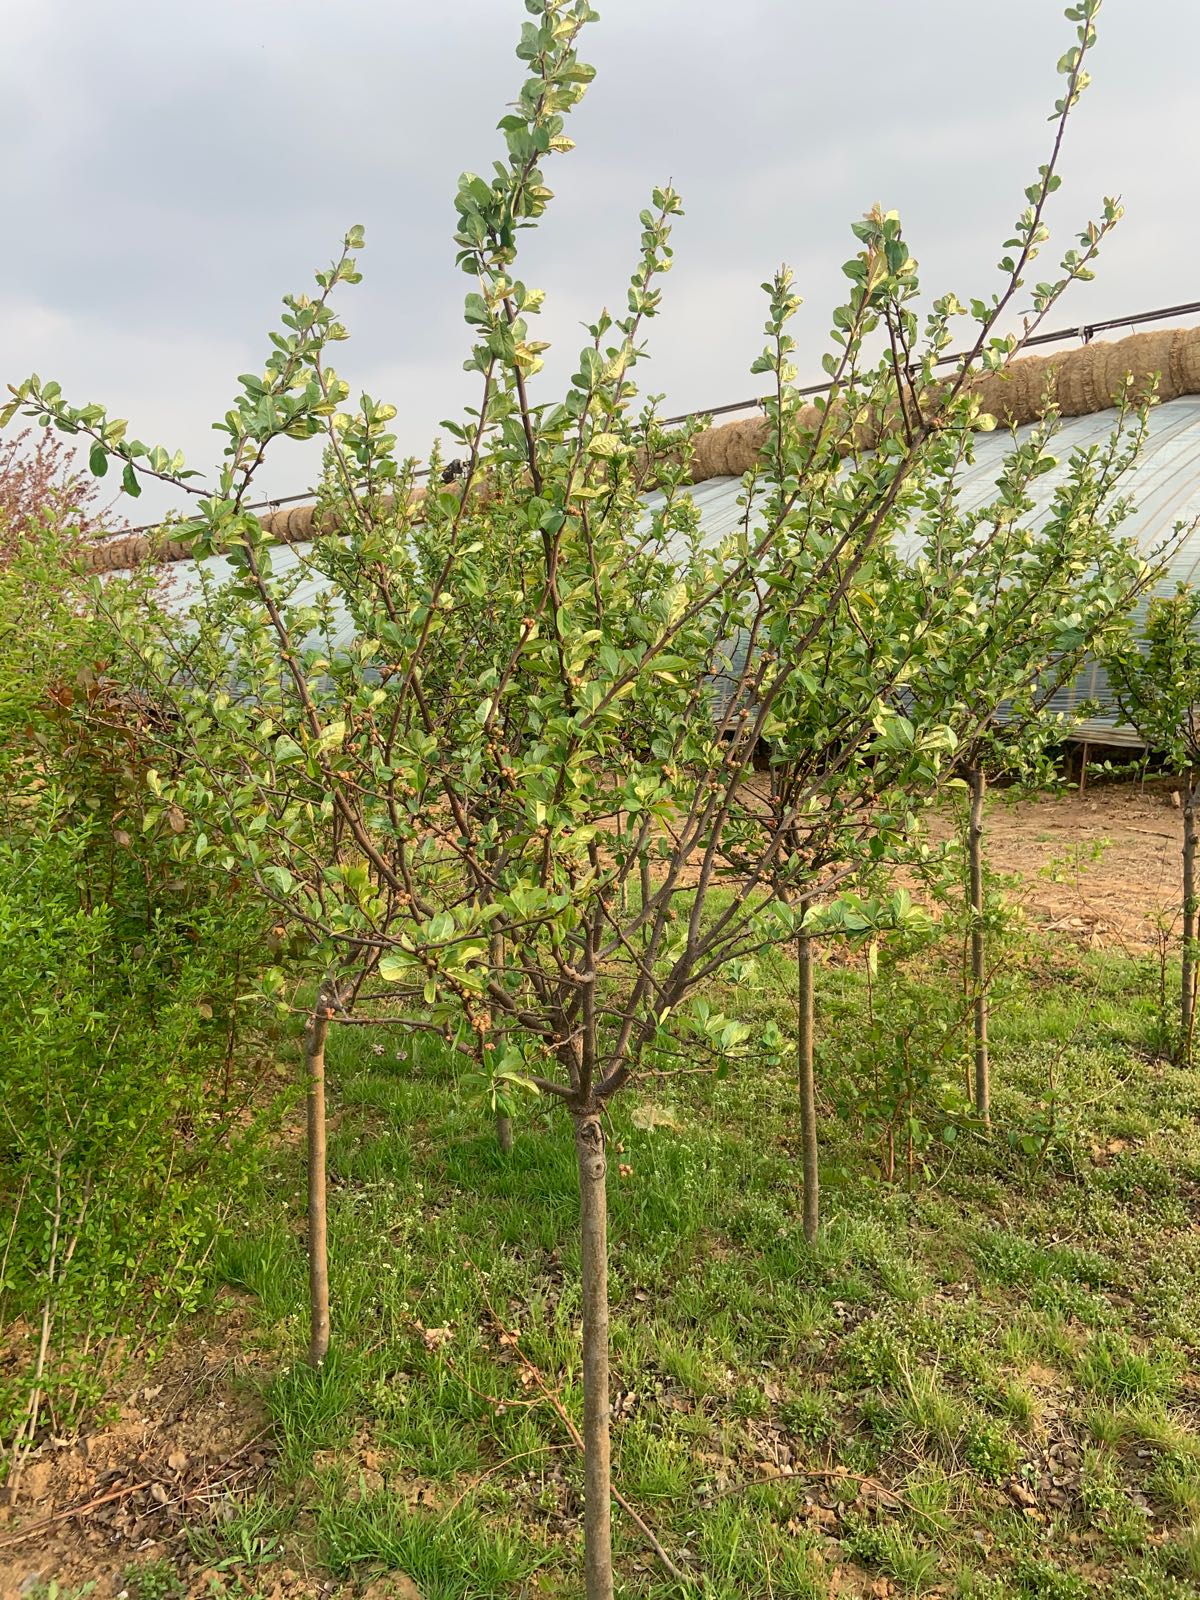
1187 1010
983 1091
315 1034
597 1516
504 1127
807 1086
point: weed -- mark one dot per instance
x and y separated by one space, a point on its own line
1181 1556
895 1553
990 1450
1175 1484
1109 1365
154 1580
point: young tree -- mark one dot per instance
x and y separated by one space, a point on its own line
1155 675
1036 588
499 769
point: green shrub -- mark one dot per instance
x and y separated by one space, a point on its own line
127 1074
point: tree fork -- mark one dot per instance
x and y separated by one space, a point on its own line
593 1208
316 1032
979 1006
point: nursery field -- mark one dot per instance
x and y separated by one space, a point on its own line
980 1381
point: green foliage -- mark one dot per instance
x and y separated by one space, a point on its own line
487 755
1031 605
891 1350
1156 676
507 800
127 1070
906 1089
54 1591
990 1450
154 1580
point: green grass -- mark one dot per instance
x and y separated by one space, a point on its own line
977 1383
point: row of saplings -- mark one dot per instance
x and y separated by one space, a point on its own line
498 780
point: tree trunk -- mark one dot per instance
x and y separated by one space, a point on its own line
1187 1009
504 1128
315 1034
983 1092
597 1517
808 1095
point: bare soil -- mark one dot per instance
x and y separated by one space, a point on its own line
1103 867
183 1441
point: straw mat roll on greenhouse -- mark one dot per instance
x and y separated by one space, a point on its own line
1073 383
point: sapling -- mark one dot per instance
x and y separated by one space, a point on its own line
1038 587
1154 671
316 1034
806 1082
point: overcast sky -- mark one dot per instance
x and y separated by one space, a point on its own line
171 168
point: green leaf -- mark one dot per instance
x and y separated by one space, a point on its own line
606 446
286 749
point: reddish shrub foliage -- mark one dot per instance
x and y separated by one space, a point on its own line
39 481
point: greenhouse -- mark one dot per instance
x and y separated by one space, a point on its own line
1084 383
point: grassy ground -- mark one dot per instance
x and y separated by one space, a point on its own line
982 1385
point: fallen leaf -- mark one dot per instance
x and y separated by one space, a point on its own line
647 1117
435 1338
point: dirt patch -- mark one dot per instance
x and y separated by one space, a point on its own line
184 1442
1103 867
